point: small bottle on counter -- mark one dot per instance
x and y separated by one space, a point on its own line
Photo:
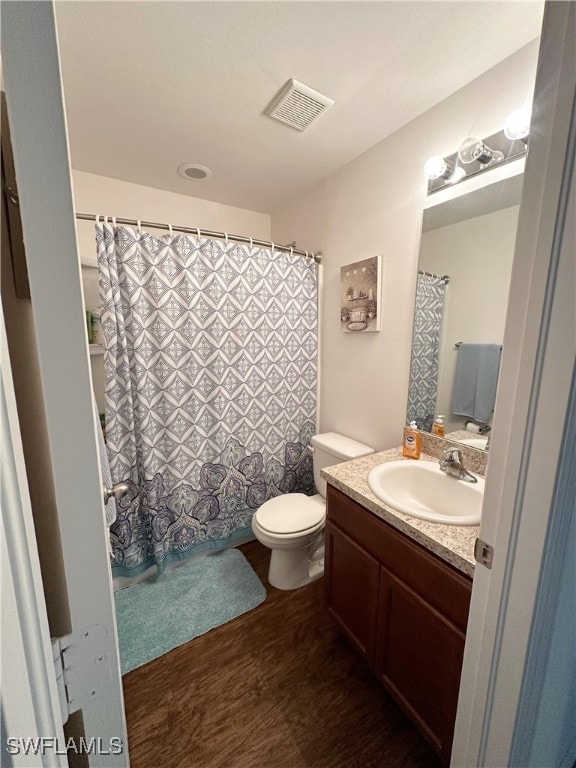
411 446
438 426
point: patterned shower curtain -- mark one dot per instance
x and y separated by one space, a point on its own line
211 371
430 296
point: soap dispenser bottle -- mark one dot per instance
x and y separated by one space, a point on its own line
412 441
438 426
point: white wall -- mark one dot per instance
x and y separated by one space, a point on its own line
374 206
112 197
477 254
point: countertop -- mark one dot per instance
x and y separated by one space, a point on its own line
452 543
464 434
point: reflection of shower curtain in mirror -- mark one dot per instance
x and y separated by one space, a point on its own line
430 296
211 370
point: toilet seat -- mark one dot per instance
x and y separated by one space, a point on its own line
291 513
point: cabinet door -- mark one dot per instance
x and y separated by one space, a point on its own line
351 587
419 660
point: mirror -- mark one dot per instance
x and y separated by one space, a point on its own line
464 267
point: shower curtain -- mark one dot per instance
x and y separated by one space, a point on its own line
211 371
430 297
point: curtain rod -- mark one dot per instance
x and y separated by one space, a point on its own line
457 344
207 233
446 278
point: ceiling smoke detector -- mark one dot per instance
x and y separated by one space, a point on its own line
194 171
298 105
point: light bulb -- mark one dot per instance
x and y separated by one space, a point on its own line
457 175
517 125
496 158
473 149
437 168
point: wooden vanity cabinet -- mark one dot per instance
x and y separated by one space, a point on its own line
403 608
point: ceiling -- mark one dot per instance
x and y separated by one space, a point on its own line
152 85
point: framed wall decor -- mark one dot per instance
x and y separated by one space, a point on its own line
360 296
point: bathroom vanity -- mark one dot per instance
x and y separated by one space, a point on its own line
399 589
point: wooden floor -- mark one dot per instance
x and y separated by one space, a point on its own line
278 687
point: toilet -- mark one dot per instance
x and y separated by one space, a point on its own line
292 525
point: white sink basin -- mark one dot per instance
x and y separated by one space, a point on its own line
421 489
475 442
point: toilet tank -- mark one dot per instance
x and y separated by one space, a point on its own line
330 448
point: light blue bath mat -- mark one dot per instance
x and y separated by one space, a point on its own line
158 615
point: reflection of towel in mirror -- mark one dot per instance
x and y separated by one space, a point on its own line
475 381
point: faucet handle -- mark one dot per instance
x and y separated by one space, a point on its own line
452 453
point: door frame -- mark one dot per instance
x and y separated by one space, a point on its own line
30 707
531 409
31 70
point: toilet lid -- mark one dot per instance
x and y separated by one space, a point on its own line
290 513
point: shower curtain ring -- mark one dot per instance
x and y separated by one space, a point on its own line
139 223
291 251
226 238
251 244
170 230
272 247
198 232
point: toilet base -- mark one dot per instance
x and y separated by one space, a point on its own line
295 559
290 569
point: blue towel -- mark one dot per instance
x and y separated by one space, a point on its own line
475 381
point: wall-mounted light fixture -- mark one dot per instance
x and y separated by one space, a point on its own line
517 125
477 155
438 168
473 149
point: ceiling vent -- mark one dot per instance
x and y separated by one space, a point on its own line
297 105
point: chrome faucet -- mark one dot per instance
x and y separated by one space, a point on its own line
452 465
